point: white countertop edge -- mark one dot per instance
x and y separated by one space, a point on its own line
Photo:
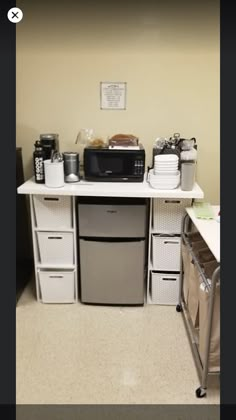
108 189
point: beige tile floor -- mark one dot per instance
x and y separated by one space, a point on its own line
83 354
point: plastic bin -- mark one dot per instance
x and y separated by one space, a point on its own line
53 211
164 288
166 253
168 214
56 248
57 286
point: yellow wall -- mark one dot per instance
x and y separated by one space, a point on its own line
169 57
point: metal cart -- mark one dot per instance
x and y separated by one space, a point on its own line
210 232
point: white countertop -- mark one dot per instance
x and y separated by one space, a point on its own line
209 230
108 189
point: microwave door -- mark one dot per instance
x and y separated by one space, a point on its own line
110 165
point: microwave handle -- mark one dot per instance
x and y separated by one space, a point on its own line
148 169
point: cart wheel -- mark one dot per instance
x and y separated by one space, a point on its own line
179 308
200 392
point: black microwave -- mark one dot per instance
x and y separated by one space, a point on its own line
121 165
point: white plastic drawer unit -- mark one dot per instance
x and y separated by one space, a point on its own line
164 288
168 214
57 286
55 248
108 220
166 252
53 211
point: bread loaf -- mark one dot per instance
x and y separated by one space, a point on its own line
124 139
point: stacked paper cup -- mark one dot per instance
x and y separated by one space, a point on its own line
165 174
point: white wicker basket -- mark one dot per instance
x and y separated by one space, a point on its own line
53 211
57 286
55 248
168 214
166 253
165 288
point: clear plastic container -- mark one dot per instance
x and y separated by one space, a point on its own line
188 169
188 160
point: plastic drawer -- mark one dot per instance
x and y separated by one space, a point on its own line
165 288
53 211
57 286
56 248
168 214
166 253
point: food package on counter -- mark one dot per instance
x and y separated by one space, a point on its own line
123 140
97 142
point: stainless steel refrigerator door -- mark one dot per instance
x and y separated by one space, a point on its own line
112 220
112 272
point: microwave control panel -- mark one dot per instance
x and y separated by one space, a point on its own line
138 167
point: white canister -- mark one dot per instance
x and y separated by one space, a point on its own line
187 175
54 173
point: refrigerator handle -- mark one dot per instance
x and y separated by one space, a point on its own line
108 239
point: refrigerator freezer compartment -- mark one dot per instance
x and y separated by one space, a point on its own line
112 220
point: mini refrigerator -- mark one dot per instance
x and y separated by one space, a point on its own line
112 250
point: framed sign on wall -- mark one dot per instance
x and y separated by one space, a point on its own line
113 95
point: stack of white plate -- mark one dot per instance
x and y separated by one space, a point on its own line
165 164
165 181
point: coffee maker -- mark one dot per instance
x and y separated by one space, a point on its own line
49 142
71 166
